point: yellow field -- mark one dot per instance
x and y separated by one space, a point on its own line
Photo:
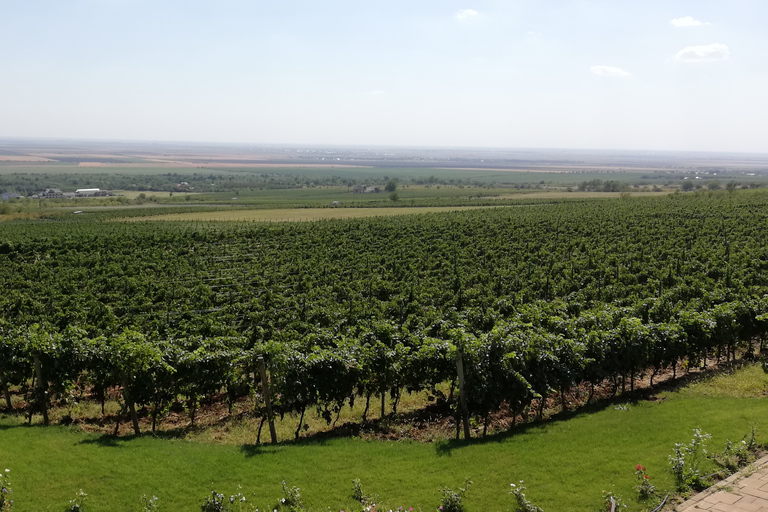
301 214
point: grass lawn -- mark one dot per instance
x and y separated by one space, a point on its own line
566 463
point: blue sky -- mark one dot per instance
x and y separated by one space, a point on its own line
614 74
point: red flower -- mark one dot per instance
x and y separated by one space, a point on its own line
647 477
639 467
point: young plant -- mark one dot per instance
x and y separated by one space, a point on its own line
685 461
734 457
451 500
214 503
239 503
612 502
521 502
367 501
77 504
292 499
149 504
218 502
6 503
644 488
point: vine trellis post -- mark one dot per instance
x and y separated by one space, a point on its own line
267 398
462 396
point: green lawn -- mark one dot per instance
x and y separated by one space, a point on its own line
565 463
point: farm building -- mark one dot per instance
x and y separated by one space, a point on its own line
52 193
91 192
360 189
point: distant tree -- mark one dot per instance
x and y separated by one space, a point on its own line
730 186
687 186
391 185
713 185
393 196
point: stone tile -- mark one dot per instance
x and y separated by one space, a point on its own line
748 494
757 493
727 497
747 507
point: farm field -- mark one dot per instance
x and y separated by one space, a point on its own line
27 167
300 214
566 463
354 257
533 308
276 214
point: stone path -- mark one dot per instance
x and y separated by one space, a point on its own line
746 491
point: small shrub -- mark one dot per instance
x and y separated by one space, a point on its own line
521 502
451 500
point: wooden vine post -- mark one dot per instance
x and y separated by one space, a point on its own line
6 391
462 395
267 398
42 395
128 396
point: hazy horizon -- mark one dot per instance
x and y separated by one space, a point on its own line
44 143
685 76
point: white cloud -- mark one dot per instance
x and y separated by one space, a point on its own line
466 14
377 92
609 71
702 53
687 21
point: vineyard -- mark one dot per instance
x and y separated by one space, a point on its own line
502 307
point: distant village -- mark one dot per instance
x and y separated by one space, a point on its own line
361 189
55 193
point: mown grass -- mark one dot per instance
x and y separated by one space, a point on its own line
566 462
741 382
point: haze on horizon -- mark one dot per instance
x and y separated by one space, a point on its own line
687 75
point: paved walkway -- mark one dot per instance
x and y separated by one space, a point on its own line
746 491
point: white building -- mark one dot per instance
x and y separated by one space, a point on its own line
91 192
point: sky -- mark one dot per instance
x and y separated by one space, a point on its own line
687 75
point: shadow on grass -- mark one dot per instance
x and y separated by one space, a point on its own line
385 428
21 425
109 440
445 447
